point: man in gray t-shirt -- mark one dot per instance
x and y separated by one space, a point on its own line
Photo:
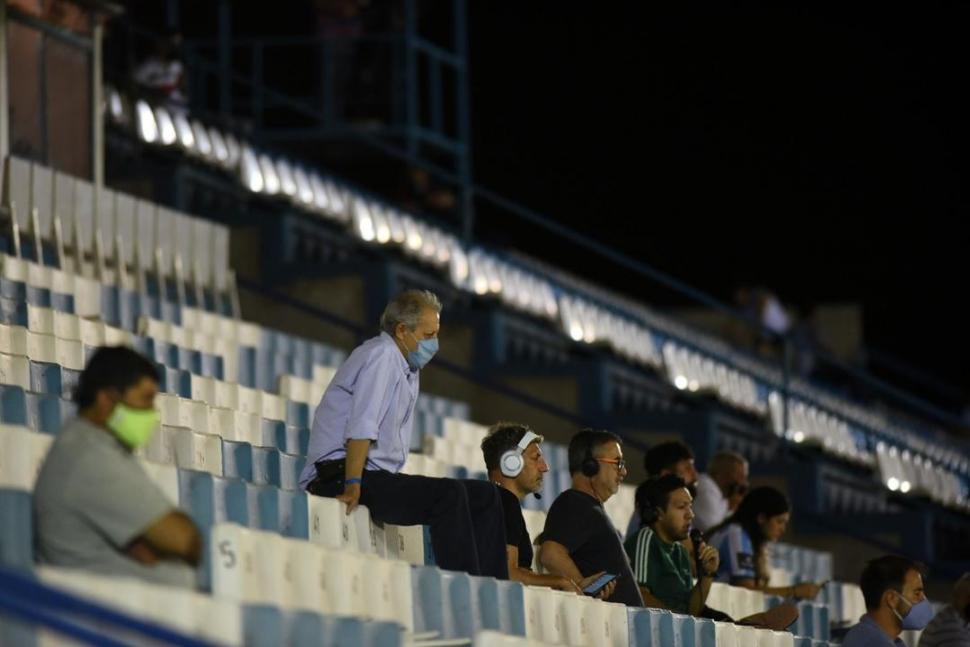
94 506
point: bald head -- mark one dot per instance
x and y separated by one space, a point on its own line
730 471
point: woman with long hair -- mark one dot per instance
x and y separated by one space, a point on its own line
742 541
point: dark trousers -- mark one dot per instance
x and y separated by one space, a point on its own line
466 517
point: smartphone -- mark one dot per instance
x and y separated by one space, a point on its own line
599 583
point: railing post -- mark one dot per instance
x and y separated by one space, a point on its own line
225 57
467 207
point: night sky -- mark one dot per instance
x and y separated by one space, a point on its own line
820 150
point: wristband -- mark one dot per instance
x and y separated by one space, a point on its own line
353 481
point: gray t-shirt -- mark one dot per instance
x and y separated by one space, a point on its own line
91 500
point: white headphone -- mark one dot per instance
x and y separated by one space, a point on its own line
512 462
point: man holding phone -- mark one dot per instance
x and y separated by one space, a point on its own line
515 463
579 538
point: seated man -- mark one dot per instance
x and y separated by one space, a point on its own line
662 565
951 626
579 539
671 457
720 489
515 463
94 506
361 437
893 590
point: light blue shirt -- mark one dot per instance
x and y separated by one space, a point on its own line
868 634
372 396
736 551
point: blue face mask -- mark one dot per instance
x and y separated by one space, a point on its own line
919 615
419 357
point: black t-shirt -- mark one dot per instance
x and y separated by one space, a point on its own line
516 533
578 521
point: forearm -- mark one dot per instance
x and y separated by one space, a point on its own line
650 600
698 597
555 559
356 457
531 578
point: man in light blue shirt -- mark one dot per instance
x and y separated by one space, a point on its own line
361 435
893 589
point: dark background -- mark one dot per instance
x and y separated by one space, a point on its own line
819 150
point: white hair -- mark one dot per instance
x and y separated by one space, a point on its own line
407 308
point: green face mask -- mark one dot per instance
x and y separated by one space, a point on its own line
133 427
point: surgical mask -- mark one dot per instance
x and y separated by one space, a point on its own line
420 356
919 614
133 427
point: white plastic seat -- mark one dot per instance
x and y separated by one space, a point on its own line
15 370
345 576
22 453
330 526
165 477
405 543
233 563
200 452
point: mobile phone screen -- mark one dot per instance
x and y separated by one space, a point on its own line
598 585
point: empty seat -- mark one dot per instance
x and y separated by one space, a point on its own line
22 453
16 535
442 602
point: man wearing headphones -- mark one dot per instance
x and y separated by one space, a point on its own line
579 539
515 463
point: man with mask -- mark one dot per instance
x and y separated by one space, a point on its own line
951 626
361 436
94 506
893 590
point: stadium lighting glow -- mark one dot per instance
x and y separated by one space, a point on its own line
798 437
234 151
285 174
364 222
892 483
184 131
271 182
905 487
251 175
202 143
115 107
321 199
166 129
681 382
381 228
576 332
219 149
303 189
146 123
693 385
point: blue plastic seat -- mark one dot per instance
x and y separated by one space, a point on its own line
266 466
442 602
237 460
291 465
16 529
263 626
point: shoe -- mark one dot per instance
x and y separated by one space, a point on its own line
777 619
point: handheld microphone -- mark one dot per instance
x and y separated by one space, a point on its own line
697 537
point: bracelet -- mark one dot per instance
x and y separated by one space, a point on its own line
353 481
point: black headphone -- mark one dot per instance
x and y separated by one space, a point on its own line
590 466
650 514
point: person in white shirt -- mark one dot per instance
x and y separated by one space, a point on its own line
720 489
